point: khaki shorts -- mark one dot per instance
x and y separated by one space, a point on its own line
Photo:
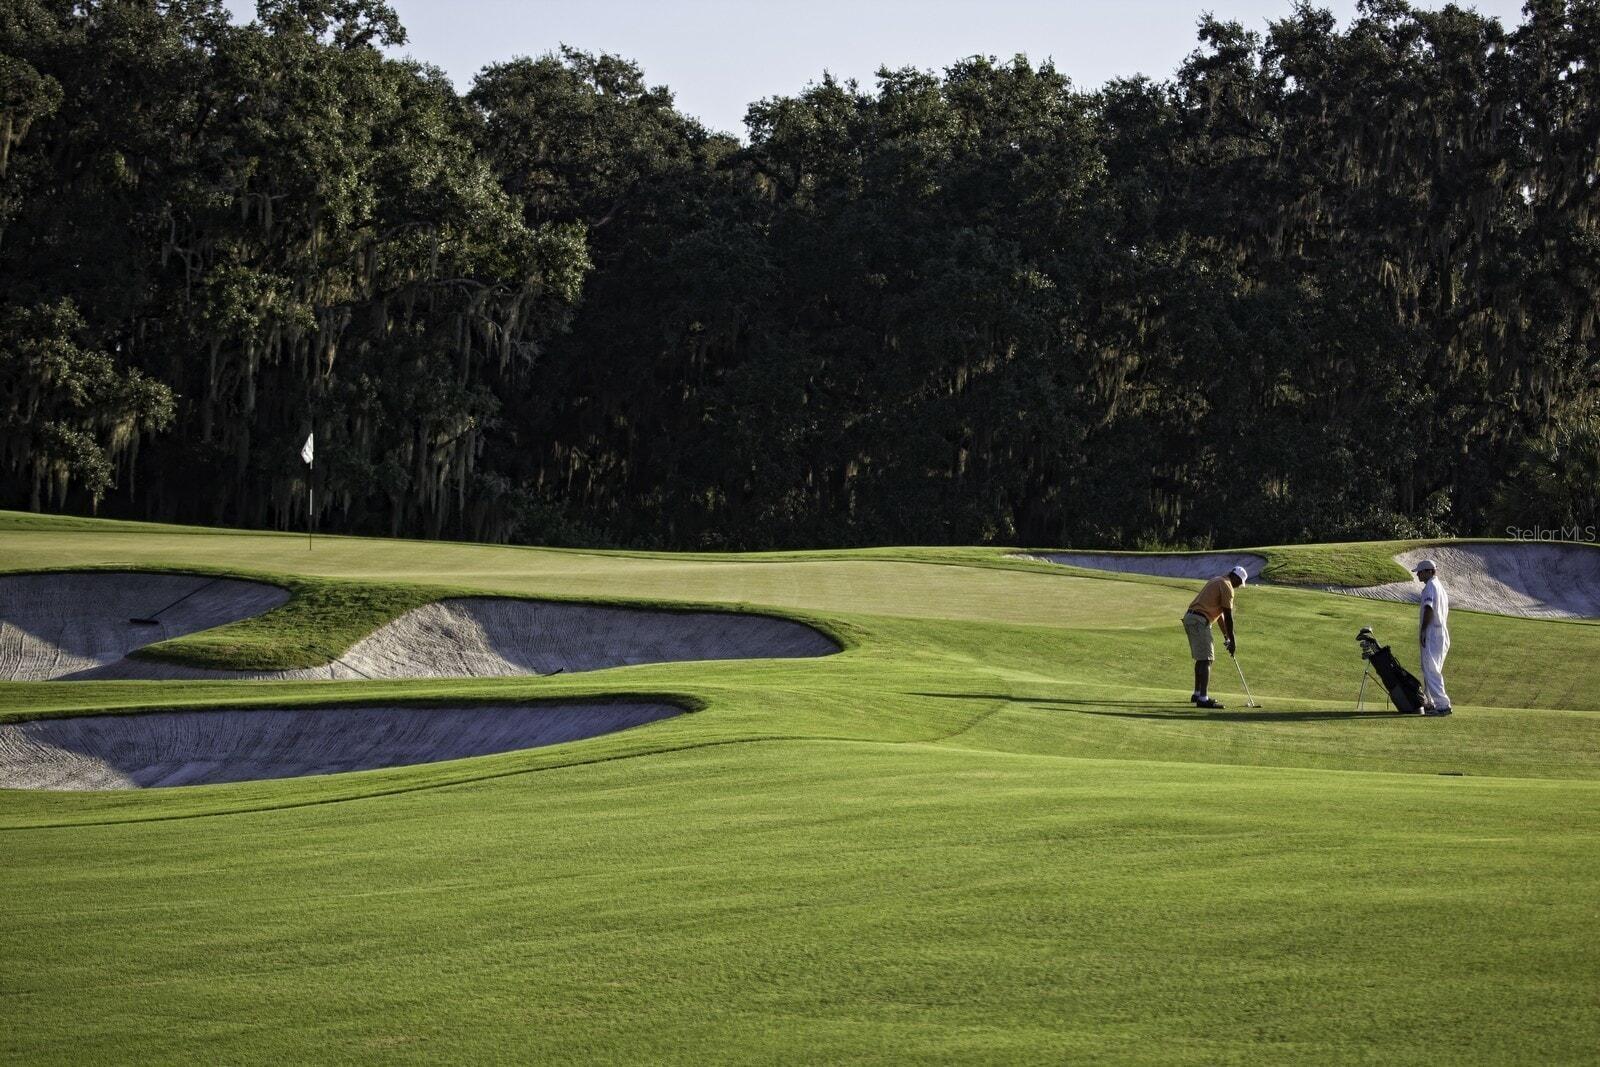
1199 637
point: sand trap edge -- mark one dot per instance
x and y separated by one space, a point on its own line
137 662
1550 580
475 636
58 621
209 746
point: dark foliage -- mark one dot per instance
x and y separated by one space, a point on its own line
1323 283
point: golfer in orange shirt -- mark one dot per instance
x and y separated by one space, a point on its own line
1214 602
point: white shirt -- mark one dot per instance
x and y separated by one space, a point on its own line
1435 596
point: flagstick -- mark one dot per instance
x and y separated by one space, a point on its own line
309 454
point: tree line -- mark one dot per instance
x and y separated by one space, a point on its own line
1322 283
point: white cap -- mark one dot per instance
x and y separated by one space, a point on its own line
1241 574
1425 565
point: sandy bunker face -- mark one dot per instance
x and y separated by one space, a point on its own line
1200 565
1534 580
77 626
55 625
485 636
201 747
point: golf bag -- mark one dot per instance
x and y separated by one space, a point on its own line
1402 686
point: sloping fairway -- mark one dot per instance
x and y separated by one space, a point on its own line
990 830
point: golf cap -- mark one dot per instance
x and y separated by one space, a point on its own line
1425 565
1241 574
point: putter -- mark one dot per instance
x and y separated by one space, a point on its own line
1249 701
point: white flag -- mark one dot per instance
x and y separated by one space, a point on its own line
305 449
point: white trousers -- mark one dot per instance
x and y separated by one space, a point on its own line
1434 649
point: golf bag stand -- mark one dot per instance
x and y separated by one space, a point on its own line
1402 687
1361 694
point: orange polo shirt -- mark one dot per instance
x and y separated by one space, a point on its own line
1214 599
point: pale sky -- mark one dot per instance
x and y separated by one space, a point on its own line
720 55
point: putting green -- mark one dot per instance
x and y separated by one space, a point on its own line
990 829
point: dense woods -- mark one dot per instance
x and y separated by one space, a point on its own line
1324 282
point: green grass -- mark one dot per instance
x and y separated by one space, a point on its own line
822 901
989 830
1351 565
319 622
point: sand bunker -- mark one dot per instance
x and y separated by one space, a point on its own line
200 747
75 626
53 625
1200 565
1535 580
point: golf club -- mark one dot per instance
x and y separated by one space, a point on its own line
1249 701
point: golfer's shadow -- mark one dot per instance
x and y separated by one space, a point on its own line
1164 709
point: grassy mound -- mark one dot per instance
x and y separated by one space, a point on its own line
1352 565
320 621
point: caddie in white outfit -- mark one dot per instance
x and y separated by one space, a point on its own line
1433 634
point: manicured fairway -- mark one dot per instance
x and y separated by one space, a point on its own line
989 830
